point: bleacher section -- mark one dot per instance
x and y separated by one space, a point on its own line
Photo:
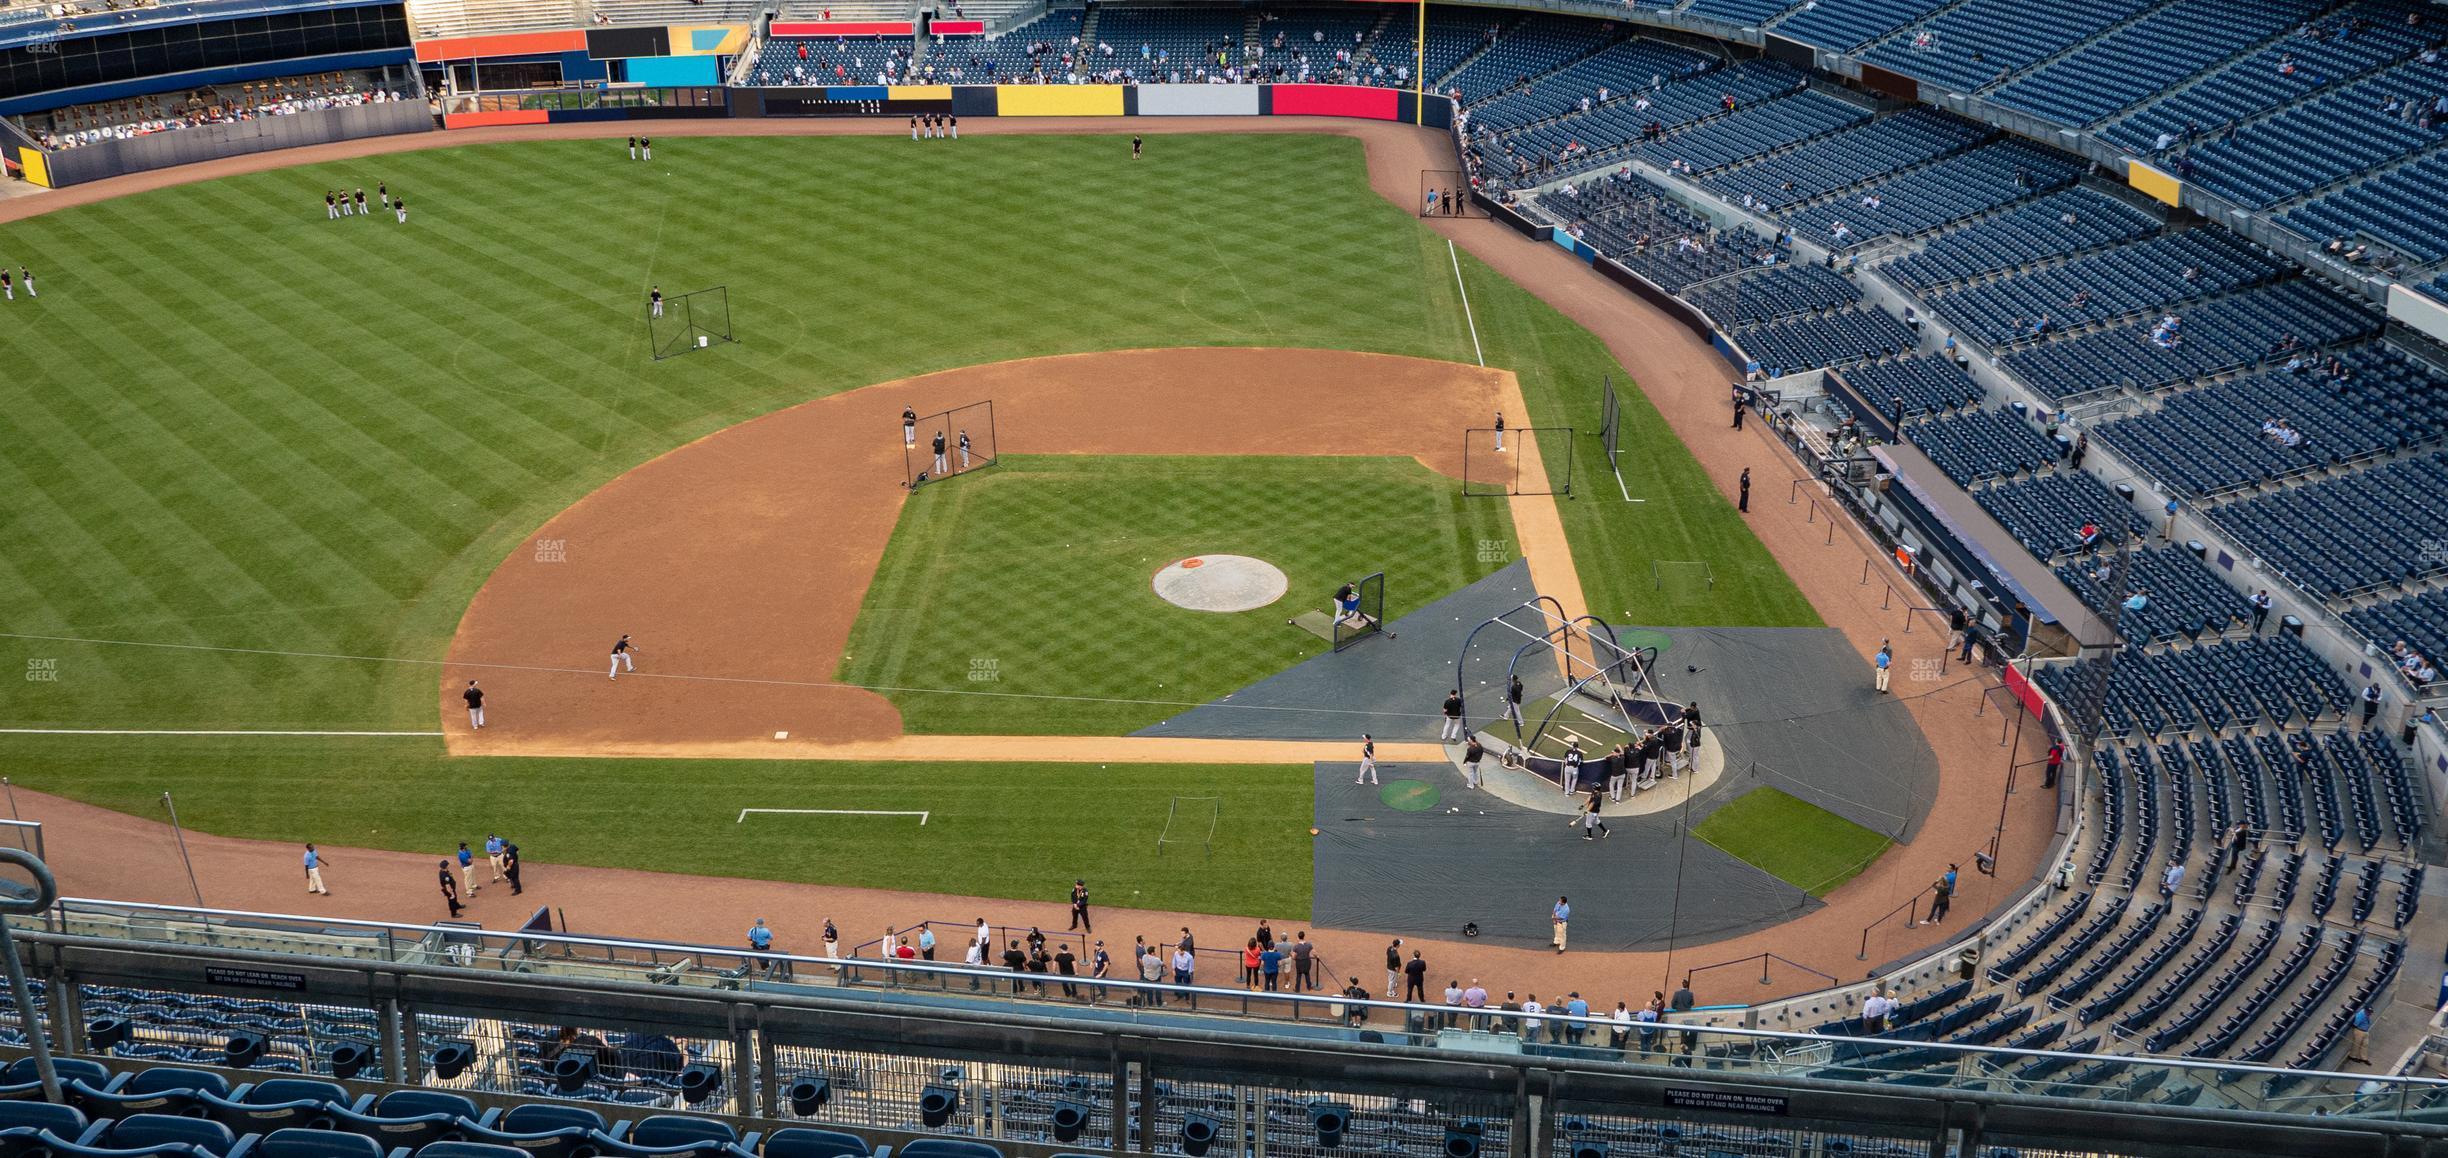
2229 333
1742 13
1926 385
2398 211
1836 162
2233 684
2113 283
1838 338
1618 210
1534 46
1752 130
2266 161
1977 445
1768 293
1845 27
2047 514
2285 71
2419 621
2149 56
1619 69
1008 58
436 19
2211 441
1156 41
2053 226
1977 43
787 60
1572 143
1918 200
2373 531
2185 599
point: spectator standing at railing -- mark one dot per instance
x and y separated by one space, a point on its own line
1304 963
1475 999
1068 966
975 959
1185 971
1415 979
926 942
1270 966
1151 970
1453 1004
1682 1002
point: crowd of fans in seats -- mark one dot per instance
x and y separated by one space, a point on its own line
223 111
2414 665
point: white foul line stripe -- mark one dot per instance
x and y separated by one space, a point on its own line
186 732
1456 258
743 816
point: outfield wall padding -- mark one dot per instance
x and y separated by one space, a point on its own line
1500 212
513 44
1656 295
211 142
1197 100
673 71
1333 100
1050 100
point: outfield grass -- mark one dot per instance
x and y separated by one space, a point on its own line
1797 842
995 829
267 458
1038 575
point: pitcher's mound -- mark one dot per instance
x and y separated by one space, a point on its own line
1221 583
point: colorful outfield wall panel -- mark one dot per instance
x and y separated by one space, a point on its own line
1157 100
1058 100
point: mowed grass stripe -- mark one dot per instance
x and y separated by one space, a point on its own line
995 829
1034 581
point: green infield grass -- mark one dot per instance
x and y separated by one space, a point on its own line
1034 581
1797 842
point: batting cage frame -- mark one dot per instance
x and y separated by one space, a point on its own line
918 458
1446 193
1482 479
1371 613
689 321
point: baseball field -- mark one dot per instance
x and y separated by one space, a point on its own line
260 463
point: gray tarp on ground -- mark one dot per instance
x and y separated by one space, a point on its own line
1792 708
1390 688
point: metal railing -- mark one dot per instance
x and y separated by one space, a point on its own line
551 966
1352 1040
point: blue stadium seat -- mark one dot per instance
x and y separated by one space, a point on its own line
297 1142
804 1142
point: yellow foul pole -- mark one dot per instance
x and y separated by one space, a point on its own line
1419 68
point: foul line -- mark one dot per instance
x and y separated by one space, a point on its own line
187 732
1476 352
743 816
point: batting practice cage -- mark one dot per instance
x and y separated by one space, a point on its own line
949 443
1492 461
1369 619
1446 193
1580 686
1610 423
690 321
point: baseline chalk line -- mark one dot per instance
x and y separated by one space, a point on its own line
743 816
188 732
